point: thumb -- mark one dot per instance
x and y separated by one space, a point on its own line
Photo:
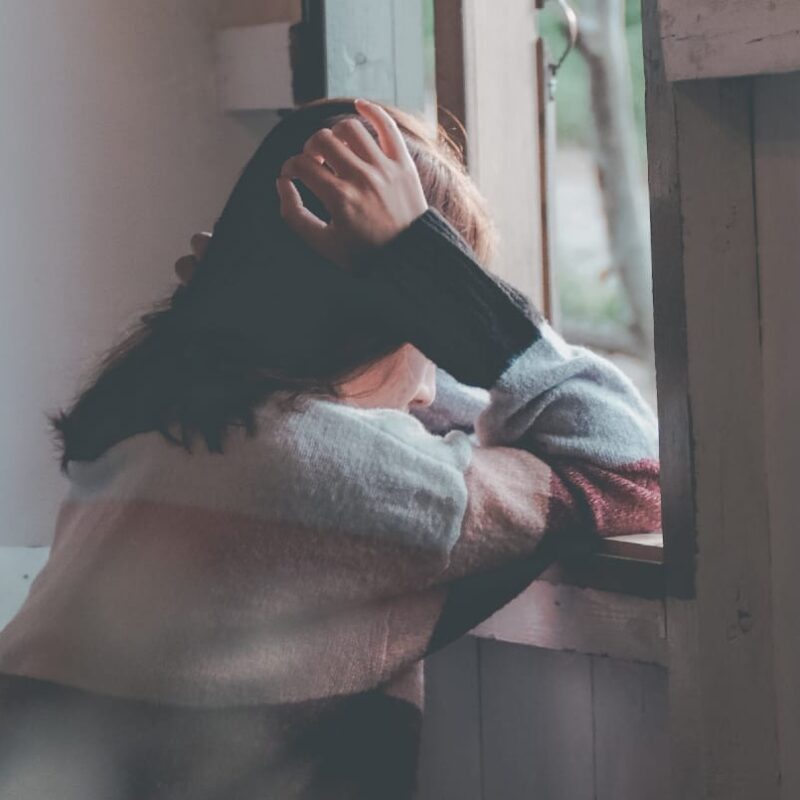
306 225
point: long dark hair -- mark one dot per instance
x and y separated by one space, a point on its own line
263 312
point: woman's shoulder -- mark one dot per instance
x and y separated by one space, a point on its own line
313 461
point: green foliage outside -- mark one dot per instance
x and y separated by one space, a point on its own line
584 295
573 100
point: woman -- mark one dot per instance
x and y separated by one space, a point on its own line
274 517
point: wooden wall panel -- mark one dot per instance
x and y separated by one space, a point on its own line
450 755
777 170
502 132
375 50
731 656
562 617
631 743
512 722
536 713
714 480
725 38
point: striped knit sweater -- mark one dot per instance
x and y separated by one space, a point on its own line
252 624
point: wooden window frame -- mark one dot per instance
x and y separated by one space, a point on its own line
631 565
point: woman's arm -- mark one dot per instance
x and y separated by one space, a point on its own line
564 451
572 409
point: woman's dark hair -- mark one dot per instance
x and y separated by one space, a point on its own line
263 312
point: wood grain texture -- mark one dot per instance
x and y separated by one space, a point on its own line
644 546
559 617
536 713
502 132
631 744
450 86
546 108
669 308
375 50
611 573
711 409
725 38
732 656
450 754
777 169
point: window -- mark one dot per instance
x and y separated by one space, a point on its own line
491 73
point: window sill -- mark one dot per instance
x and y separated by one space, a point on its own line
631 565
610 603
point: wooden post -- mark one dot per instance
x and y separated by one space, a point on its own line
723 38
777 169
714 480
492 87
374 49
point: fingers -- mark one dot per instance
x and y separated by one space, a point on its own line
391 140
356 136
199 244
184 269
305 224
325 185
333 151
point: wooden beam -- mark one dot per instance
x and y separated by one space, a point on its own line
643 546
777 168
502 132
669 311
714 480
450 750
725 38
561 617
450 81
374 49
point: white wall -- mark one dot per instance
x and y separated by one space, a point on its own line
112 153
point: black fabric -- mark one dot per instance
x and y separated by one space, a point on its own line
474 598
431 287
261 284
61 743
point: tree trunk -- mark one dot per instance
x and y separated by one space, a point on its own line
602 43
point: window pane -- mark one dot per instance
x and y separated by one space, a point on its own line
602 238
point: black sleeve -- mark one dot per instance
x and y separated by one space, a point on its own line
469 322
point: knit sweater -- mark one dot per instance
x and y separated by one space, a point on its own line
252 624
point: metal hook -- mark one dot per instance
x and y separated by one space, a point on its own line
573 30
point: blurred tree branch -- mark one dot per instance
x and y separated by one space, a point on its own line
603 46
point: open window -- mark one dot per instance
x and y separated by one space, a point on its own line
567 188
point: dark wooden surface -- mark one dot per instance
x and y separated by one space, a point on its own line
512 722
677 467
450 86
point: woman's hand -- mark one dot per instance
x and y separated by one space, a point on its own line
186 265
370 189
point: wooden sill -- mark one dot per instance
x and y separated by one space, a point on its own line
632 565
610 603
641 546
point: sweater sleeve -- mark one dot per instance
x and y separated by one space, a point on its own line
330 552
563 447
508 376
